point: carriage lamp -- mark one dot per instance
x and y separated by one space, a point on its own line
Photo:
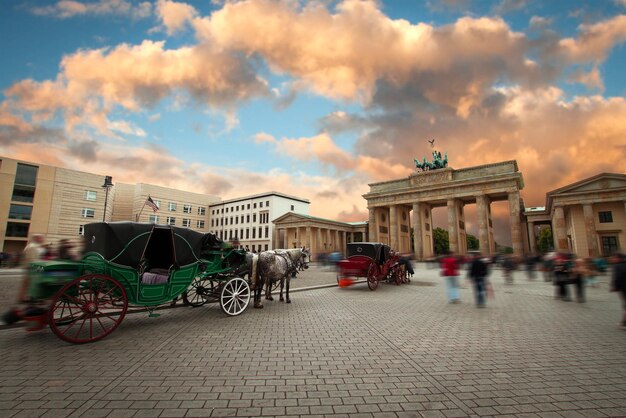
108 183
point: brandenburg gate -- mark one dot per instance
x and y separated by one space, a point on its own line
394 206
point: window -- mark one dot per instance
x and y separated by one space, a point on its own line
171 206
254 206
292 207
16 229
20 212
267 203
253 233
266 247
153 219
248 218
212 212
260 232
199 224
186 208
606 217
81 229
157 203
254 217
237 220
90 195
24 188
248 205
88 212
247 233
171 220
260 204
212 224
609 245
267 232
237 208
226 221
186 223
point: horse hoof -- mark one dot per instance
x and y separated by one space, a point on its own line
269 298
259 306
282 299
288 300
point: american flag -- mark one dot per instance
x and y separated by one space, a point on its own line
151 203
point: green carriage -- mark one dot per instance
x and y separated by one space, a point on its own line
127 264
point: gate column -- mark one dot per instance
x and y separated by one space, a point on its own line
372 227
483 224
532 240
417 231
590 229
516 227
453 235
393 227
560 234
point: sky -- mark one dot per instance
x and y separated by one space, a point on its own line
315 99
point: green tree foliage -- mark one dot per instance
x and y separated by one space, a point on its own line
544 241
441 241
472 242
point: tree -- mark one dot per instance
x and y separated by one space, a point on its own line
544 241
441 241
472 242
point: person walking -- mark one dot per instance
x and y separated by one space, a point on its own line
478 275
618 283
450 270
34 251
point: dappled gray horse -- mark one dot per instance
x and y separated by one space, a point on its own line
278 265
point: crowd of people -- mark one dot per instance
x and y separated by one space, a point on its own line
563 269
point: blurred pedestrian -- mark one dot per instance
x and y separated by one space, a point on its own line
33 252
508 265
562 273
450 270
618 283
65 250
580 274
478 275
530 261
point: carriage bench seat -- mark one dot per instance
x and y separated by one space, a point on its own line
155 276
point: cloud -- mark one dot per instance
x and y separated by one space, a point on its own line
94 82
595 40
69 8
175 15
507 6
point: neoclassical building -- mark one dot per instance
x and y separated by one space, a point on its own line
587 218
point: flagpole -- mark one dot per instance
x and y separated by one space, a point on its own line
144 205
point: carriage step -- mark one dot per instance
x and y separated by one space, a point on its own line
154 315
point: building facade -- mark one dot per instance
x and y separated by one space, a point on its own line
247 222
319 235
587 218
58 202
397 206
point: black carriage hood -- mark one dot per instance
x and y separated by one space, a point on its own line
374 250
126 243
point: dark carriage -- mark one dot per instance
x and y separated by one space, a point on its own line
137 265
374 261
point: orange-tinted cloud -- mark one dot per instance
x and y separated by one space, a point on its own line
175 15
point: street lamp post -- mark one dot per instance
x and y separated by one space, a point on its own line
108 183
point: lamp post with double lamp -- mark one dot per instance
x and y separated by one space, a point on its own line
108 183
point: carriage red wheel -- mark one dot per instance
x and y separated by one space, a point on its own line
397 274
372 276
87 309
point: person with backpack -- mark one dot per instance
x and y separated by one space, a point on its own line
478 275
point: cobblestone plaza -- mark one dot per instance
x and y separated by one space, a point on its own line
397 351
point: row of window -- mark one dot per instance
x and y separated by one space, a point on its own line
170 220
264 218
91 196
243 207
237 234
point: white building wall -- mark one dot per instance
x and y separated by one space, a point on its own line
256 214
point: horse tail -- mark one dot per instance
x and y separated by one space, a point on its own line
253 269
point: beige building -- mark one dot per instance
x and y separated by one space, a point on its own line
58 202
587 218
318 234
